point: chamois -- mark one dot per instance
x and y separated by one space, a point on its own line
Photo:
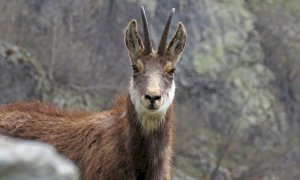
132 140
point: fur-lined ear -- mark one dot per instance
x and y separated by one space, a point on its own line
132 38
178 42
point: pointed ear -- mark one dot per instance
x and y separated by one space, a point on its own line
178 42
132 38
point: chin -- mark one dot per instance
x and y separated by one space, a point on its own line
150 110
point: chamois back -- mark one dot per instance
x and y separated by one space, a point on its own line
132 140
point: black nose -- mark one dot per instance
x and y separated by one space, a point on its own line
152 99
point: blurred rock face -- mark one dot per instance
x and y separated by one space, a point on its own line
237 92
29 160
19 78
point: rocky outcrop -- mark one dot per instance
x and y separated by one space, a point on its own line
29 160
238 91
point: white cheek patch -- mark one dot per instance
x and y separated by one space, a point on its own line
134 96
168 98
151 120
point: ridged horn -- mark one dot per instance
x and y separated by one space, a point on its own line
164 37
147 40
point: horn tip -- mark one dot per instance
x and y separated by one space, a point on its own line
142 8
173 10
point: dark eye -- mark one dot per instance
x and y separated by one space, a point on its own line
135 69
172 71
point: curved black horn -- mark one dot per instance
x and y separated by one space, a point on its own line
164 37
147 40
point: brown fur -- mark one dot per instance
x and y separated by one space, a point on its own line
106 145
132 140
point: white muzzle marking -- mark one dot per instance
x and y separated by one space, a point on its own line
151 119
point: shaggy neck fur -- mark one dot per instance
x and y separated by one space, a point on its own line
151 152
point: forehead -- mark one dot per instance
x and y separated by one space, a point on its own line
154 61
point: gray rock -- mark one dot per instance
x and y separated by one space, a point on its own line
30 160
19 76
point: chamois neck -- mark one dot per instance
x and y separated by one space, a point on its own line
149 151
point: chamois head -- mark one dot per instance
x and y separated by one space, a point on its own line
152 86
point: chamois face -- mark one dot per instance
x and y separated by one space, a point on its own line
152 86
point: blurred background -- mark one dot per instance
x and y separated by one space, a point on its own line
238 85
